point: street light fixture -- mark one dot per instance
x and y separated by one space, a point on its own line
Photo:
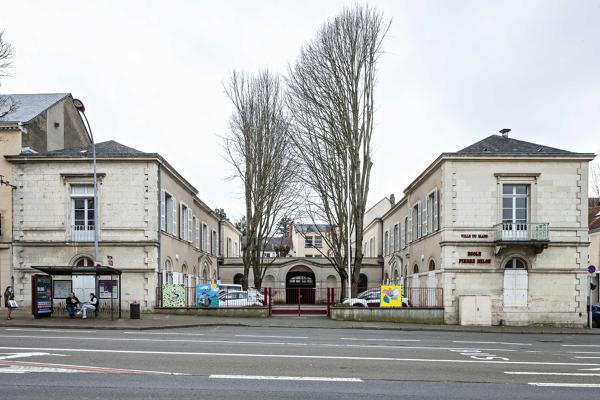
78 104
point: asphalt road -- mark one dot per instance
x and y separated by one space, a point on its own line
289 363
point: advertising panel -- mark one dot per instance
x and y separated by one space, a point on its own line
207 295
108 289
42 295
391 296
61 289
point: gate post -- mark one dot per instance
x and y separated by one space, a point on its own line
298 299
269 296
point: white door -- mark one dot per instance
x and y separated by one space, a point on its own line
84 285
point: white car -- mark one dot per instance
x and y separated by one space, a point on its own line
370 298
237 298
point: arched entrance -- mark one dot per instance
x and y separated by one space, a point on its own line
300 286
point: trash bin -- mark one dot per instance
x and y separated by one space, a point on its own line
134 311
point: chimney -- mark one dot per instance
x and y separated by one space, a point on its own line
392 199
504 132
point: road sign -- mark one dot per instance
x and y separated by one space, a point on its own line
591 269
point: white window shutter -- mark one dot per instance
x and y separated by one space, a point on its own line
197 233
190 225
410 226
419 220
163 206
424 218
402 236
174 228
435 211
181 227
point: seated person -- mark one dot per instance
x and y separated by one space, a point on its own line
72 303
89 306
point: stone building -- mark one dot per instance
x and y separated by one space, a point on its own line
152 224
503 221
31 123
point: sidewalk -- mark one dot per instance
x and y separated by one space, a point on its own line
24 319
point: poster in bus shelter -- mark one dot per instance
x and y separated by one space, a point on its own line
391 296
173 295
207 295
42 295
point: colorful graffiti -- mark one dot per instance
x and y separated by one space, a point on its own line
207 296
391 296
173 295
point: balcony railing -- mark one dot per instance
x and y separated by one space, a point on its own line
512 231
83 233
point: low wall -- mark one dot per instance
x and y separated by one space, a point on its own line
411 315
245 312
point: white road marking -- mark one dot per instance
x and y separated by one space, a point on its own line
275 337
26 366
569 385
586 357
580 345
551 373
583 352
508 343
296 356
163 333
50 330
119 339
286 378
11 356
381 340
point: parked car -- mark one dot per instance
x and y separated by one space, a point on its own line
237 298
596 315
370 298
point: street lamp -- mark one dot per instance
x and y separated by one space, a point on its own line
78 104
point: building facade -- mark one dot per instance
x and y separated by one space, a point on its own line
152 225
31 123
502 221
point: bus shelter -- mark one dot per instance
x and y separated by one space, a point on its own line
105 289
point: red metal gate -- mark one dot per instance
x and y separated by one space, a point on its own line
299 301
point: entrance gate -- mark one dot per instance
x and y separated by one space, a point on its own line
300 301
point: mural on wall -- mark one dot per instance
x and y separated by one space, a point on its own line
173 295
207 295
391 296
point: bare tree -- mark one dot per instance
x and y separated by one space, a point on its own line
258 147
331 98
6 55
595 179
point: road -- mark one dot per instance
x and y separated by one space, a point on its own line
291 363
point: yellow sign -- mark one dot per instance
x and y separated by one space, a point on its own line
391 296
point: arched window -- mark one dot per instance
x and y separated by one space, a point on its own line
84 262
363 283
168 272
416 269
238 279
396 275
515 263
431 265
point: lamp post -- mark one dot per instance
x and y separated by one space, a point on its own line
81 108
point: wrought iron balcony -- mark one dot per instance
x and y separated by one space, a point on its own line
83 233
521 232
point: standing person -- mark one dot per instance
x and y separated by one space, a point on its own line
9 296
72 302
89 306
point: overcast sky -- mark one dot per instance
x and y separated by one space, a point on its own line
151 74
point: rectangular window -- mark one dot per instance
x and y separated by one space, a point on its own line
515 202
372 248
318 242
229 247
213 241
416 222
168 210
308 242
82 198
396 237
386 243
405 233
204 237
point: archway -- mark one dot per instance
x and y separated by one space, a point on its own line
238 279
300 286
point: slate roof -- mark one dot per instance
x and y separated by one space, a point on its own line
312 228
26 107
594 218
497 144
109 148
